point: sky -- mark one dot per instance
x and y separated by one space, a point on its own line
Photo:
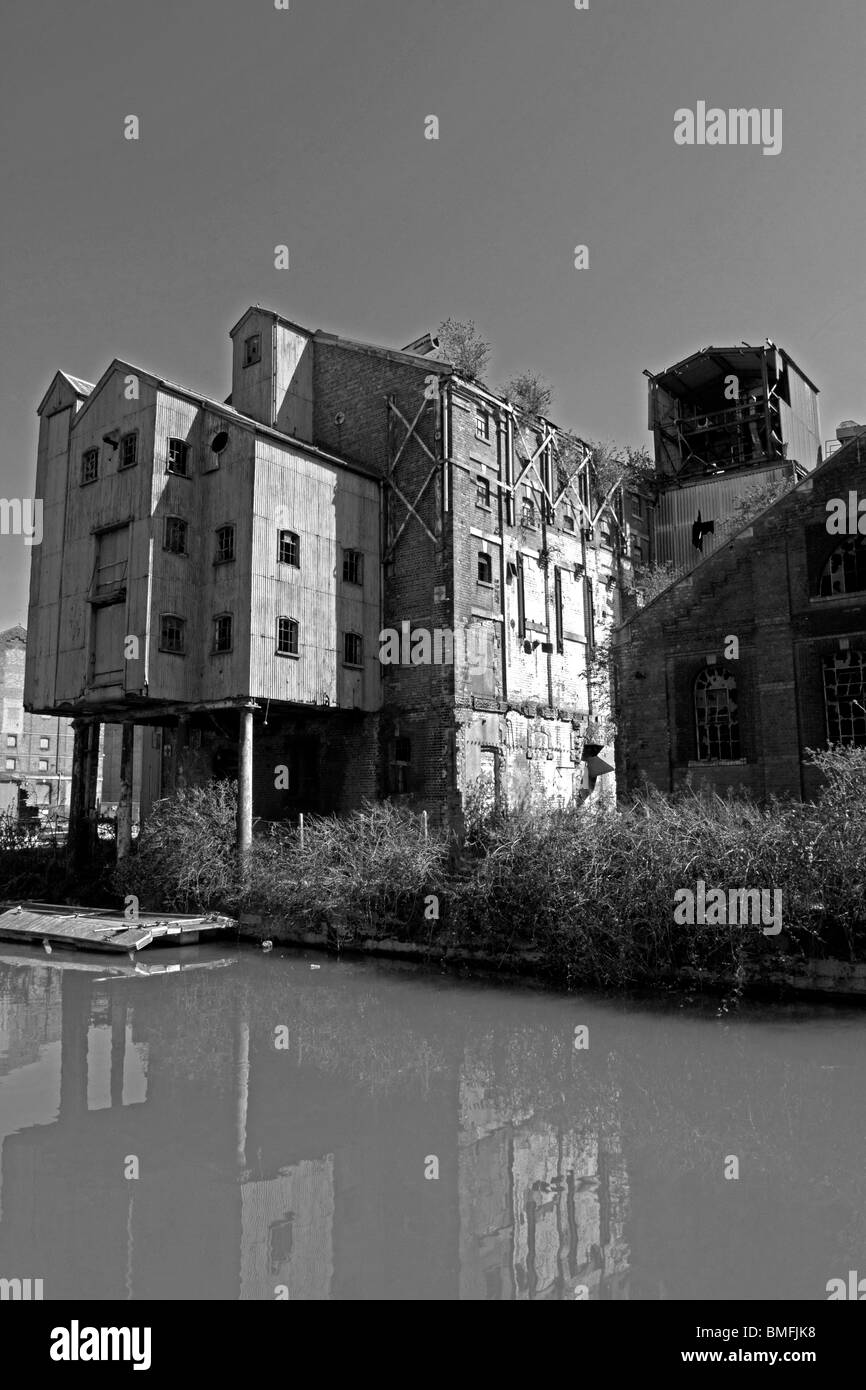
305 127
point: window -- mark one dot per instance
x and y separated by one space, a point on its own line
527 515
252 349
225 545
845 570
716 716
171 633
845 697
10 764
482 494
568 522
177 457
287 637
353 567
557 608
402 757
222 633
89 465
219 441
44 744
485 568
129 449
280 1241
353 649
43 764
636 505
175 535
288 548
482 425
11 740
606 534
636 551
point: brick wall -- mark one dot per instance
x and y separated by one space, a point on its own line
761 588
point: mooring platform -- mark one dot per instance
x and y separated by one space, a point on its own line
53 926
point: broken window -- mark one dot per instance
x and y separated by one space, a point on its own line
845 570
716 716
89 465
353 567
252 349
171 633
177 458
353 649
401 757
845 697
222 633
485 568
175 535
225 538
482 494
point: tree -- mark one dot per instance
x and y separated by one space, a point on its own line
460 344
529 392
611 465
754 500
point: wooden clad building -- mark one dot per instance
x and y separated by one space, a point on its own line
225 575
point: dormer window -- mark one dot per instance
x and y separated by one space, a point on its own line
252 349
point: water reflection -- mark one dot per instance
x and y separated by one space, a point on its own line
281 1120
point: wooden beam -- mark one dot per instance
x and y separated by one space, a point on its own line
124 805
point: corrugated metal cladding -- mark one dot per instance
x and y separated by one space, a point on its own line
801 427
715 499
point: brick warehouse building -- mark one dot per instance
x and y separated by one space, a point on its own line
219 575
758 654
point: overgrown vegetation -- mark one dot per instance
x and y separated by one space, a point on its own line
529 392
591 892
462 346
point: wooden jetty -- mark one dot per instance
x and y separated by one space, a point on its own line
53 926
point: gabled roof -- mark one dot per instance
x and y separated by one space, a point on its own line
227 412
82 389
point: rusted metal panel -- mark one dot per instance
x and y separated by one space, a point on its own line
678 508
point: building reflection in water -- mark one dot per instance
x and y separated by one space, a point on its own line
294 1172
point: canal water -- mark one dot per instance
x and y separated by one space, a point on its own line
292 1126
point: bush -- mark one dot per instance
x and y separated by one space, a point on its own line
186 858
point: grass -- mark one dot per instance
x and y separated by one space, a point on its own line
591 892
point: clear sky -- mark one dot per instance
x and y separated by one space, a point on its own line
306 127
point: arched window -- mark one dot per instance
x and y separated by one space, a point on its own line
716 716
485 568
845 570
845 697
